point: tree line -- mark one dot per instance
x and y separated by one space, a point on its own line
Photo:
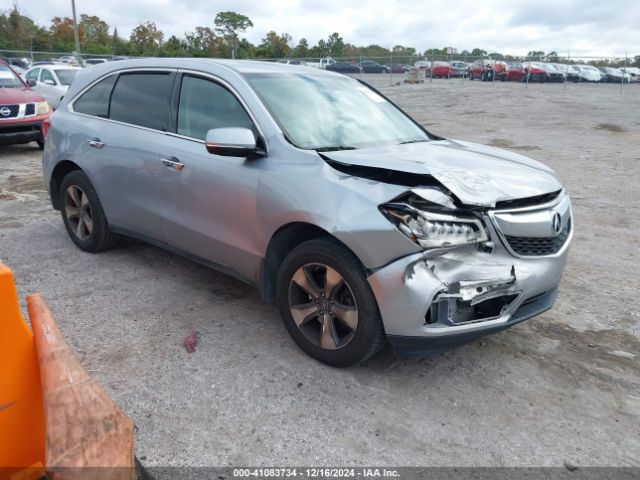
221 39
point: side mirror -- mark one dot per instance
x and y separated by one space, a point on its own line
31 82
232 142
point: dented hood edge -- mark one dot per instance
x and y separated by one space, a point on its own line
476 174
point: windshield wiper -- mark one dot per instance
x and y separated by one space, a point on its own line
412 141
334 149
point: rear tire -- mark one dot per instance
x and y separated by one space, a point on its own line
40 144
324 286
82 214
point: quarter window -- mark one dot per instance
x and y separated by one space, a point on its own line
205 105
142 99
95 101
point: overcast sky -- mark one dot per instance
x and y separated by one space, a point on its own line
581 27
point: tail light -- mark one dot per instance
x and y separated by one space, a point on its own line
45 127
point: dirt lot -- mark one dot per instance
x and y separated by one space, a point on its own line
562 387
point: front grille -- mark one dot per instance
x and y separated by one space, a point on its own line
13 111
539 246
30 109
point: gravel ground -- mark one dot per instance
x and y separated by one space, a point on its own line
563 387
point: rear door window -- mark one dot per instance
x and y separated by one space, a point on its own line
204 105
33 74
46 75
95 101
142 98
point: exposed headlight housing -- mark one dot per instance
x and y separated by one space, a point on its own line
434 229
42 108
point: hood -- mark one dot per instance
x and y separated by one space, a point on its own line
19 95
477 175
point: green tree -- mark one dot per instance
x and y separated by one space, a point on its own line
246 49
62 32
94 36
274 45
434 52
16 30
302 49
535 54
478 52
118 45
335 44
400 50
173 47
203 42
146 38
229 24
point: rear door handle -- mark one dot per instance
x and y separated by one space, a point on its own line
95 143
172 163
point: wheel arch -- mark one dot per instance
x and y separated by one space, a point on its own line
61 170
285 239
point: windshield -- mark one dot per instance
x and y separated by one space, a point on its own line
8 79
333 112
66 76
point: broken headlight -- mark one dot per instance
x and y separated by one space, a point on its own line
434 229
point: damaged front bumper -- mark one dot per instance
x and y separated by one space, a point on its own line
431 302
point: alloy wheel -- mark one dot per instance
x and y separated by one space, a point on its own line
77 210
323 306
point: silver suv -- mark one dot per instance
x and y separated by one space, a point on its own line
361 225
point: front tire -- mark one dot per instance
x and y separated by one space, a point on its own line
82 214
327 305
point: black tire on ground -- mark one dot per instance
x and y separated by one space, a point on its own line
369 337
40 144
100 237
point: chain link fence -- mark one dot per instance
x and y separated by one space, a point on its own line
435 66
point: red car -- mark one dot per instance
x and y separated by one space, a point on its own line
439 70
22 111
488 70
518 72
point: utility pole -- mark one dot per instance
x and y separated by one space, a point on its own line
75 29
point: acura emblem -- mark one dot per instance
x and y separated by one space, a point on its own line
556 223
5 112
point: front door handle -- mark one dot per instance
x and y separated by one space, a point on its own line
172 163
95 143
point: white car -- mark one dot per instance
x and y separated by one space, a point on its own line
51 81
290 61
422 64
588 73
633 72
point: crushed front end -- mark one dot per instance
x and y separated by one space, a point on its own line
482 269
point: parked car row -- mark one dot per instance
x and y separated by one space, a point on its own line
492 70
367 66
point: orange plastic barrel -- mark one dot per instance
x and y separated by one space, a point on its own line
22 428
